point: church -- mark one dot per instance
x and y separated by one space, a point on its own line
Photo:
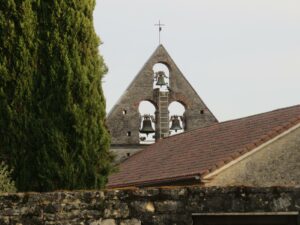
159 148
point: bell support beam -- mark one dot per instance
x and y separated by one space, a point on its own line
163 115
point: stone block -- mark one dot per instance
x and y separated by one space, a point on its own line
169 206
104 222
108 222
141 206
118 210
131 222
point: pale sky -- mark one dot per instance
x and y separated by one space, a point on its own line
241 56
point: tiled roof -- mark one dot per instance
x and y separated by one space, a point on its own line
203 150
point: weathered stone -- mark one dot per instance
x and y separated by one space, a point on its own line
169 206
282 204
116 209
160 206
52 208
174 193
140 206
98 222
107 222
146 192
4 220
131 222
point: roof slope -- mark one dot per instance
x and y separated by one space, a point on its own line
203 150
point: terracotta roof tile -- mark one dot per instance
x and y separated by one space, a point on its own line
203 150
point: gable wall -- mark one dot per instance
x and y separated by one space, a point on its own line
141 89
277 164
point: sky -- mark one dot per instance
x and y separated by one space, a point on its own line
242 57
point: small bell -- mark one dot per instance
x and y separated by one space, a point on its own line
175 123
147 125
160 76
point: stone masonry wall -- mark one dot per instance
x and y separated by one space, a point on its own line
160 206
124 119
276 164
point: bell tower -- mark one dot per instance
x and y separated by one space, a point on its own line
131 130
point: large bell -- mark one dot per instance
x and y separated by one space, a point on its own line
160 76
175 123
147 125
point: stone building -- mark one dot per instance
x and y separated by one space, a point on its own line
259 150
160 88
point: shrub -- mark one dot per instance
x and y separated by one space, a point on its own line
6 184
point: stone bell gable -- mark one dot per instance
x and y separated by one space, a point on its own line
124 120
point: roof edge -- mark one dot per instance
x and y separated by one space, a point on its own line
154 182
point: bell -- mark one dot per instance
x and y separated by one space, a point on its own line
160 76
147 126
175 123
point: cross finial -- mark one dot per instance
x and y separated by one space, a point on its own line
159 29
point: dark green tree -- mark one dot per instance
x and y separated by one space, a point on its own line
18 67
52 115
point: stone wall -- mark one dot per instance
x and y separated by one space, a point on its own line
276 164
161 206
124 119
122 153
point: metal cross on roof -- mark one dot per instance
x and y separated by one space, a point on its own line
159 29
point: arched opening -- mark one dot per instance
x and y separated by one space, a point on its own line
147 122
176 115
161 77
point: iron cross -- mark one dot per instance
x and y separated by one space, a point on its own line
159 29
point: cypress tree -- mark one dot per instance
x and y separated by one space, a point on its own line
52 103
18 60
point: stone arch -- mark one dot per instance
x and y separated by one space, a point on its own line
147 108
177 109
161 67
182 99
165 63
150 101
181 102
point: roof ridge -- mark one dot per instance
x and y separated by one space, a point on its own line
228 121
258 114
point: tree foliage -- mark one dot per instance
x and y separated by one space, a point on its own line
6 184
52 108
